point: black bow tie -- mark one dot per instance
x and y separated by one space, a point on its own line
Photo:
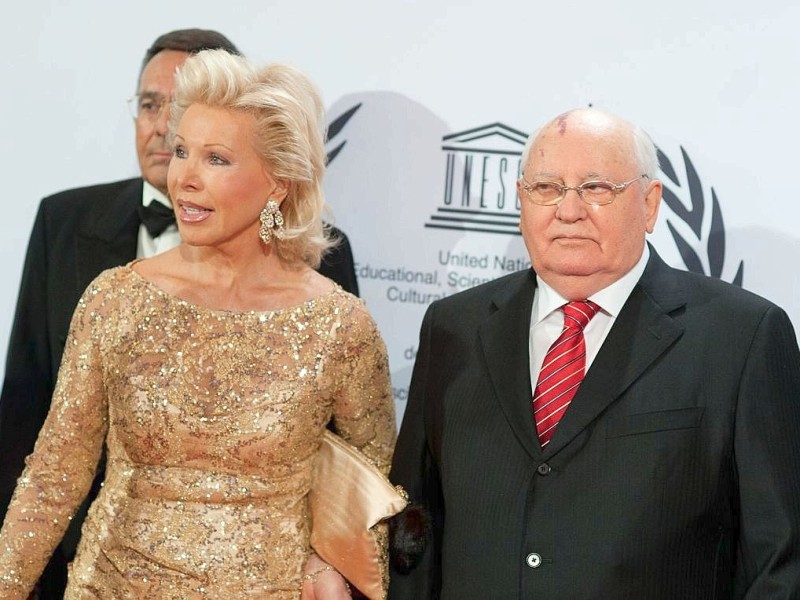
156 217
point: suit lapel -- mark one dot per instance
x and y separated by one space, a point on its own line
108 237
643 331
504 341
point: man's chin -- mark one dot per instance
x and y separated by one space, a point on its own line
580 258
156 175
574 268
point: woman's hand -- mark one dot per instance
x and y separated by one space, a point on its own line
322 582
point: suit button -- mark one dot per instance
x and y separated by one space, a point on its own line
543 469
533 560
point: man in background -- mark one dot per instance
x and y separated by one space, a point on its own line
77 234
601 425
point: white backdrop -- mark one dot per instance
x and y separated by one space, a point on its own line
713 82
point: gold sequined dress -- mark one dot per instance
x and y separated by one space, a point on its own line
211 421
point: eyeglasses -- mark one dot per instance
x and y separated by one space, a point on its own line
147 107
594 193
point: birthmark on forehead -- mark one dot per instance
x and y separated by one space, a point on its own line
562 124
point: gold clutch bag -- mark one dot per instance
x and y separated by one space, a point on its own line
349 496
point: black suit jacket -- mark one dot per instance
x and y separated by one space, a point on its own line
77 234
674 473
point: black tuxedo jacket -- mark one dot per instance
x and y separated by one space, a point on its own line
674 473
77 234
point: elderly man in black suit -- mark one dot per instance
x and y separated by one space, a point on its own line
77 234
602 425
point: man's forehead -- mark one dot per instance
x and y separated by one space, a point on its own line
159 73
567 130
591 122
561 123
587 154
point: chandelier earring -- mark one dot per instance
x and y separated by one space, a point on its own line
271 222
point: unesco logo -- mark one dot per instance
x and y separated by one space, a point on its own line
478 194
483 164
481 170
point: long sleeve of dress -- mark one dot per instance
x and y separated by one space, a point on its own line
364 410
60 470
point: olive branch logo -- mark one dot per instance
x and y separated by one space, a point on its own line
335 128
714 236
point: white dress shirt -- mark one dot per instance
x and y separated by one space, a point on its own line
147 246
547 320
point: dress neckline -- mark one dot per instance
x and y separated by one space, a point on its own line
302 306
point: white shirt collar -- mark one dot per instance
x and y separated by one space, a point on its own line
146 246
610 299
150 193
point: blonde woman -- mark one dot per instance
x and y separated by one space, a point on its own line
210 371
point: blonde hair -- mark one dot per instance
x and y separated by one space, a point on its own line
289 135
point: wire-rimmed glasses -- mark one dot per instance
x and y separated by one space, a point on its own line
597 192
147 107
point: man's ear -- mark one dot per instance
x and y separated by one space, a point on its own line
652 200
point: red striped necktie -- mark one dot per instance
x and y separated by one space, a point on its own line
562 370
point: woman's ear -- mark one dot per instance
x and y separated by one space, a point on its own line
280 191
